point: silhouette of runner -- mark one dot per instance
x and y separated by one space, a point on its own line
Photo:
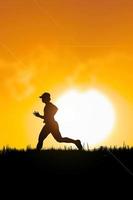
51 126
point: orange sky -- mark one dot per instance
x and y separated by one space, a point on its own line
58 44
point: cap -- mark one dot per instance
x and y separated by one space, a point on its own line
45 94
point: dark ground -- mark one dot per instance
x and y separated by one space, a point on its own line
104 167
102 162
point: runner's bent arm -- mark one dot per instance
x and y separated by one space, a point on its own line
37 114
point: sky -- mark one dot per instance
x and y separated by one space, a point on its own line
60 44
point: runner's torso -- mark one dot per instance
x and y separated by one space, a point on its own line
49 112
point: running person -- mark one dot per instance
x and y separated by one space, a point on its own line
51 126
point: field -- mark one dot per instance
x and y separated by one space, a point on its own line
106 163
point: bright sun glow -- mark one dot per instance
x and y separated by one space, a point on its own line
88 116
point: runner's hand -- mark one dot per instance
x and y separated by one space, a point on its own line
36 114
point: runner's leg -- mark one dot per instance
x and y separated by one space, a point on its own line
57 135
43 134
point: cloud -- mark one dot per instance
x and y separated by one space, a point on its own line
16 80
114 70
51 69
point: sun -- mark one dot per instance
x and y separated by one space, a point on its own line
89 116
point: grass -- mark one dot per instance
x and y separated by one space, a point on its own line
102 162
63 173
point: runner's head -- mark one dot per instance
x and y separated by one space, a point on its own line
45 97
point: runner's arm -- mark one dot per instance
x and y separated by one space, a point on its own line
37 114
